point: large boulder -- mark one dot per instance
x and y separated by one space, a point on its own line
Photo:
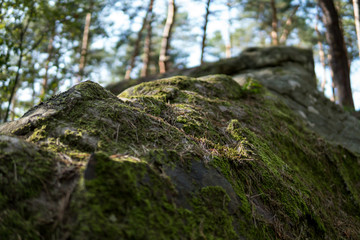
288 72
176 158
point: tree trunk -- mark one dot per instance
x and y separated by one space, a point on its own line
357 21
274 24
287 27
165 42
19 66
338 52
16 82
323 64
13 103
147 51
321 54
333 98
46 76
228 45
137 43
56 79
203 43
84 46
33 95
147 44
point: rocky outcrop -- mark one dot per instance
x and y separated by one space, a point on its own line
288 72
295 83
178 158
252 58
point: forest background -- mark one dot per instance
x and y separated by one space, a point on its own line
48 46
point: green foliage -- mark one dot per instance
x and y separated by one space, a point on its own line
37 39
41 40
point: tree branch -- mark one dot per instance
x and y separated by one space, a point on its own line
288 23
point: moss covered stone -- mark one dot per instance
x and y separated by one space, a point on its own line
25 172
176 158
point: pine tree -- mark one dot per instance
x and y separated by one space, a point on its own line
148 42
166 37
357 21
138 40
84 46
274 24
339 60
204 28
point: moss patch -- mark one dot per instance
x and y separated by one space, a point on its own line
286 182
128 199
25 171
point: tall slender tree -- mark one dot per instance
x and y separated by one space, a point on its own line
322 58
228 44
204 28
43 38
50 50
166 37
148 42
136 49
274 24
357 21
84 46
19 66
321 51
21 46
288 25
339 60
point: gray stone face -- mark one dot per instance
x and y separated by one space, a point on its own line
198 177
294 82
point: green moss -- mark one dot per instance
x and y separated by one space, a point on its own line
161 157
252 86
211 211
3 145
91 90
75 138
348 169
128 199
24 172
152 106
187 89
287 182
14 226
38 134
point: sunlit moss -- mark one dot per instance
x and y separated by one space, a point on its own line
286 182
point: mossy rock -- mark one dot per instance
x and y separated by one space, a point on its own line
176 158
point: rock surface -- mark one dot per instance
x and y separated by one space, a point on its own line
179 158
289 73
